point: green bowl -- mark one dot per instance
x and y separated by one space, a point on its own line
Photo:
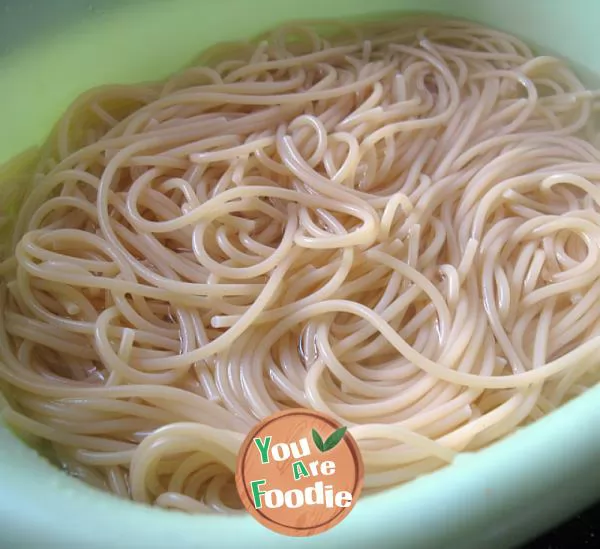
499 497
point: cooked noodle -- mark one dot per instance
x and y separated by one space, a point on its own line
396 223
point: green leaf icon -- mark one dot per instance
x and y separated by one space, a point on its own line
317 440
332 441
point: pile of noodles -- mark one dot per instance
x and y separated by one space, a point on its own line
396 223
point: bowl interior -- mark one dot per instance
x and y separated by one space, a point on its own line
497 497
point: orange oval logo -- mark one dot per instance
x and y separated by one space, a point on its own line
299 472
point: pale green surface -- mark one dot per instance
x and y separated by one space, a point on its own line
496 498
